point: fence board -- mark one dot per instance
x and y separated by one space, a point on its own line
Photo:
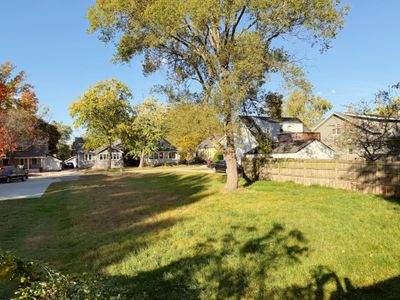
375 178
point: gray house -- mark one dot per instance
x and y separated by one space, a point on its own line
34 158
332 128
166 154
96 159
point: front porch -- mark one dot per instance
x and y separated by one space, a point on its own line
29 163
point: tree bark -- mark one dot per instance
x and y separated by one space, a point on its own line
232 180
141 163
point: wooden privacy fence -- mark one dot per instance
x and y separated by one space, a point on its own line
380 178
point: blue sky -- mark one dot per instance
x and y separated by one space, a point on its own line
48 40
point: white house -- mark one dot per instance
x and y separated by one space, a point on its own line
254 128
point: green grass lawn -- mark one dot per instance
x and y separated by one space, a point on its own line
180 236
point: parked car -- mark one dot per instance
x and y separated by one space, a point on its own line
10 173
219 166
68 165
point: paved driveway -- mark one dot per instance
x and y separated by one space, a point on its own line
34 187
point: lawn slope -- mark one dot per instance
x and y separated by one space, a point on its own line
180 236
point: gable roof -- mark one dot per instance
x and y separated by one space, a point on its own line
77 145
346 116
164 145
208 143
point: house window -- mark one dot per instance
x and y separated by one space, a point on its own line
161 155
34 161
336 130
101 156
172 155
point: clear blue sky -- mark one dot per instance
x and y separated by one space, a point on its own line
48 40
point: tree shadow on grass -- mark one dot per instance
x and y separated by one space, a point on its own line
97 221
233 268
221 268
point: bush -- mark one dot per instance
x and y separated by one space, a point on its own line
37 281
218 156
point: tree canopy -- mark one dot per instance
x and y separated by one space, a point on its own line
308 108
229 47
18 108
101 110
143 132
188 124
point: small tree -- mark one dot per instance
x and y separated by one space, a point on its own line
143 133
372 128
188 124
307 108
63 148
273 105
101 110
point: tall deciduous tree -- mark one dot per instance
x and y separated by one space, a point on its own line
188 124
309 109
227 46
101 110
18 108
144 131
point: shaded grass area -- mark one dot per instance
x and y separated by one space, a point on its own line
180 236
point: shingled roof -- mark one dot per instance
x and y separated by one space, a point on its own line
33 151
284 147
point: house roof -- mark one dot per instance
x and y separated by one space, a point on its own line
164 145
117 146
291 147
286 147
208 143
346 116
33 151
77 145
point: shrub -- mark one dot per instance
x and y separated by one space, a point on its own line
36 281
218 156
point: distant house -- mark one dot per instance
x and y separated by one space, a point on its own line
290 138
34 158
166 154
331 130
206 149
255 128
98 158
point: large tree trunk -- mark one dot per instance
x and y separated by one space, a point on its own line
141 163
232 179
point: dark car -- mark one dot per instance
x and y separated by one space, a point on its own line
218 166
68 165
8 174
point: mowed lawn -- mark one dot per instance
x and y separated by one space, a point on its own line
180 236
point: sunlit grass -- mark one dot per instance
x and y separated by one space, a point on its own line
179 236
